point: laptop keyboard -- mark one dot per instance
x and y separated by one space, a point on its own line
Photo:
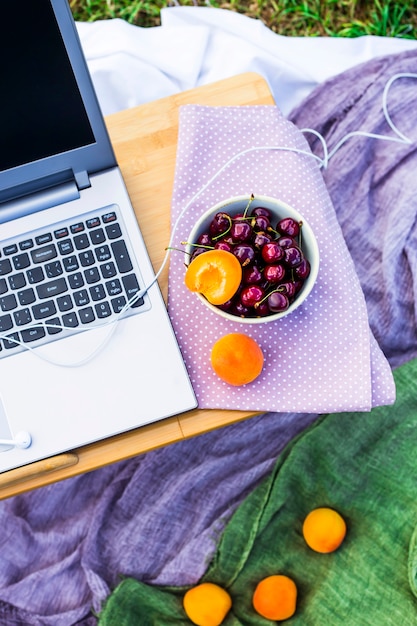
70 277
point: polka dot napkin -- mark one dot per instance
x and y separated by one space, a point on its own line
320 358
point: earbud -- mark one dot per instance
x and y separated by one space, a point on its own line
22 440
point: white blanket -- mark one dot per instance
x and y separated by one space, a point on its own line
198 45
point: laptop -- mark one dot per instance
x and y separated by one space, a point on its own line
87 349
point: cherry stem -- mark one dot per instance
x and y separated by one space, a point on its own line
196 245
227 229
266 296
251 199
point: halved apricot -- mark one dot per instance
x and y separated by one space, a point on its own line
216 274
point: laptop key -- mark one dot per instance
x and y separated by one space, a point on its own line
76 280
5 267
22 317
70 320
11 341
32 334
65 303
17 281
46 253
35 275
53 326
86 315
52 288
131 286
103 310
121 256
27 296
21 261
3 286
8 303
43 310
6 322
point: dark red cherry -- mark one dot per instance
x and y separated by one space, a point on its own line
274 273
220 224
245 253
262 309
241 231
260 210
293 256
260 239
251 275
278 302
260 223
286 242
302 271
272 252
223 245
288 288
238 308
288 226
251 295
196 252
204 240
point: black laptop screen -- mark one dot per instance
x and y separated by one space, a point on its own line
41 109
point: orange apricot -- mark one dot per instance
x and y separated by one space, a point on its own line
324 529
216 274
237 359
275 597
207 604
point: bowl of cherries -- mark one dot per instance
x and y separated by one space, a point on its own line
277 254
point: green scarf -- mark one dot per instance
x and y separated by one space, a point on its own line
362 464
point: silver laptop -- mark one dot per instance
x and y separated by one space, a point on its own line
86 346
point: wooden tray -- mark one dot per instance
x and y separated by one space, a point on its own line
144 139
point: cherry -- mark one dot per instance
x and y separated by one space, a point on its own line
241 231
196 252
245 253
302 271
288 288
205 240
223 245
262 309
288 226
238 308
219 224
286 242
251 295
278 302
272 252
260 210
260 239
252 275
260 223
274 273
293 256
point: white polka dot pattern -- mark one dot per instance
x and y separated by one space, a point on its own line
320 358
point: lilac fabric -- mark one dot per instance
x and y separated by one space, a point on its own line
157 517
322 357
372 184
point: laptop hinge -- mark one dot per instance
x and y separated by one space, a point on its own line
44 199
82 179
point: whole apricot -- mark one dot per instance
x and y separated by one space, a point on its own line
207 604
324 529
275 597
237 359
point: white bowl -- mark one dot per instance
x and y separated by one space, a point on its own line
279 210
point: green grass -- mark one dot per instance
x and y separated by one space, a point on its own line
332 18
